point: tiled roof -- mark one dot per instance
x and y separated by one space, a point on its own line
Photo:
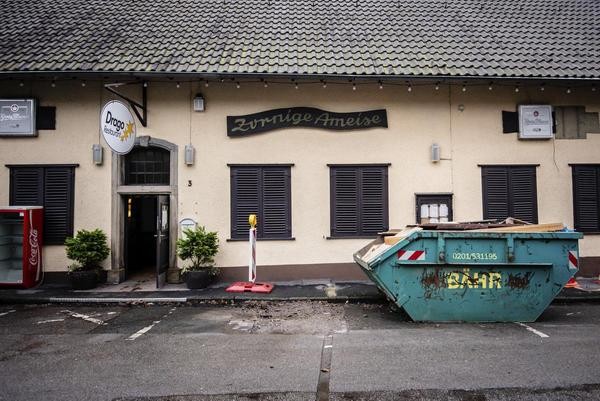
479 38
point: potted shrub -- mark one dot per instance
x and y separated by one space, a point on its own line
199 247
87 249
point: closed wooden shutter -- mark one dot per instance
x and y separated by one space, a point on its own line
359 200
345 204
51 187
276 203
523 193
586 198
27 186
509 191
266 192
374 200
58 204
245 199
495 192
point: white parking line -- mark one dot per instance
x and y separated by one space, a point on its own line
142 331
50 321
148 328
6 313
84 317
534 331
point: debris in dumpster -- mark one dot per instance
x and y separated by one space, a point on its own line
391 239
458 226
469 225
378 249
510 224
527 228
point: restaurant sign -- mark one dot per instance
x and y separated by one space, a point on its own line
535 121
117 126
306 117
17 117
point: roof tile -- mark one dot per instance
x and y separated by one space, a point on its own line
520 38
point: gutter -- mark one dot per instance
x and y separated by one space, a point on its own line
353 77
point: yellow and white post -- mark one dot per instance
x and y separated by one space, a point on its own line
252 240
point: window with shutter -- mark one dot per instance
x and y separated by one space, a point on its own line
264 190
359 200
586 198
509 191
51 187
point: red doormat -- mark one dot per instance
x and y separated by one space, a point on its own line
245 286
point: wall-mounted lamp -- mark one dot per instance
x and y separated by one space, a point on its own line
435 153
97 153
199 102
189 155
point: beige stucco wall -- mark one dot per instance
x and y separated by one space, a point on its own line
416 120
76 131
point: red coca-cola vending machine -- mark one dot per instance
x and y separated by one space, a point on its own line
21 246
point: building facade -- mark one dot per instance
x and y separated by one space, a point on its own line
301 163
429 94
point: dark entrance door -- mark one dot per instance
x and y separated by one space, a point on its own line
147 238
162 239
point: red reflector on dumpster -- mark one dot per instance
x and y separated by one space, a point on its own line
245 286
572 283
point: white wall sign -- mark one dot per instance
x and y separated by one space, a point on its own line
535 122
187 224
17 117
118 127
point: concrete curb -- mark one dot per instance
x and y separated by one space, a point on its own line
180 300
343 292
586 297
366 293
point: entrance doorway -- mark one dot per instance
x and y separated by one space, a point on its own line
147 237
150 169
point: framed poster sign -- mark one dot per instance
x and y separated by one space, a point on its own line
17 117
535 122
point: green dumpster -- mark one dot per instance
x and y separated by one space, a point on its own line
472 276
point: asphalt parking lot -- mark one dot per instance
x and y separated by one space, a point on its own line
291 350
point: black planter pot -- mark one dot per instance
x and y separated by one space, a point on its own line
198 279
84 279
102 276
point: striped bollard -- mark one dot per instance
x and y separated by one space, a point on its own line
251 285
252 240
